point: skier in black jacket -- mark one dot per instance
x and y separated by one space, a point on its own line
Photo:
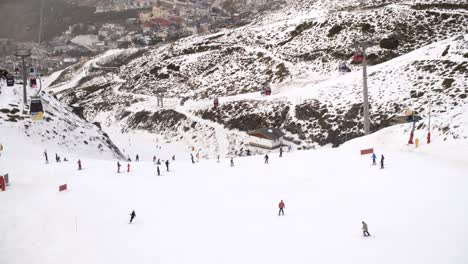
132 215
167 165
266 159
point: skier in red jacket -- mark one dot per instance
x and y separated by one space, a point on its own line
281 208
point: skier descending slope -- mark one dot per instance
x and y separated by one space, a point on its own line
374 158
281 208
132 216
365 230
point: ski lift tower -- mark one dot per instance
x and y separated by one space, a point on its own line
362 45
23 54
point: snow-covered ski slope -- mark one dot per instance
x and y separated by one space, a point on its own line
61 131
416 208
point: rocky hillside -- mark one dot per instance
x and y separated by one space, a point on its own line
419 56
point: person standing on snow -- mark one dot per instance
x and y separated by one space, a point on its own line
281 208
266 159
191 157
382 161
281 152
173 157
167 165
154 158
46 157
365 230
198 156
137 158
132 216
218 159
232 162
374 158
128 167
159 172
79 164
118 167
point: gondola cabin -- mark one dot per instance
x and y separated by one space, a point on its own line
33 82
10 80
36 109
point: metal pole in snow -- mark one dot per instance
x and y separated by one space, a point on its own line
429 124
365 91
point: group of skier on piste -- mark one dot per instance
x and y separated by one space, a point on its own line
281 205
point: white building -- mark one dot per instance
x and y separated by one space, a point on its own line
268 138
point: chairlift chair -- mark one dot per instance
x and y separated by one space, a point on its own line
33 82
358 56
10 80
36 109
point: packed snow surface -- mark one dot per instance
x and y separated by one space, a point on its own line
416 207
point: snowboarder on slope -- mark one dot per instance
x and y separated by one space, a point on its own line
159 172
266 159
281 208
132 216
382 161
118 167
167 165
79 164
374 158
365 230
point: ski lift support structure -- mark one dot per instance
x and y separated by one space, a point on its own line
23 54
362 45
